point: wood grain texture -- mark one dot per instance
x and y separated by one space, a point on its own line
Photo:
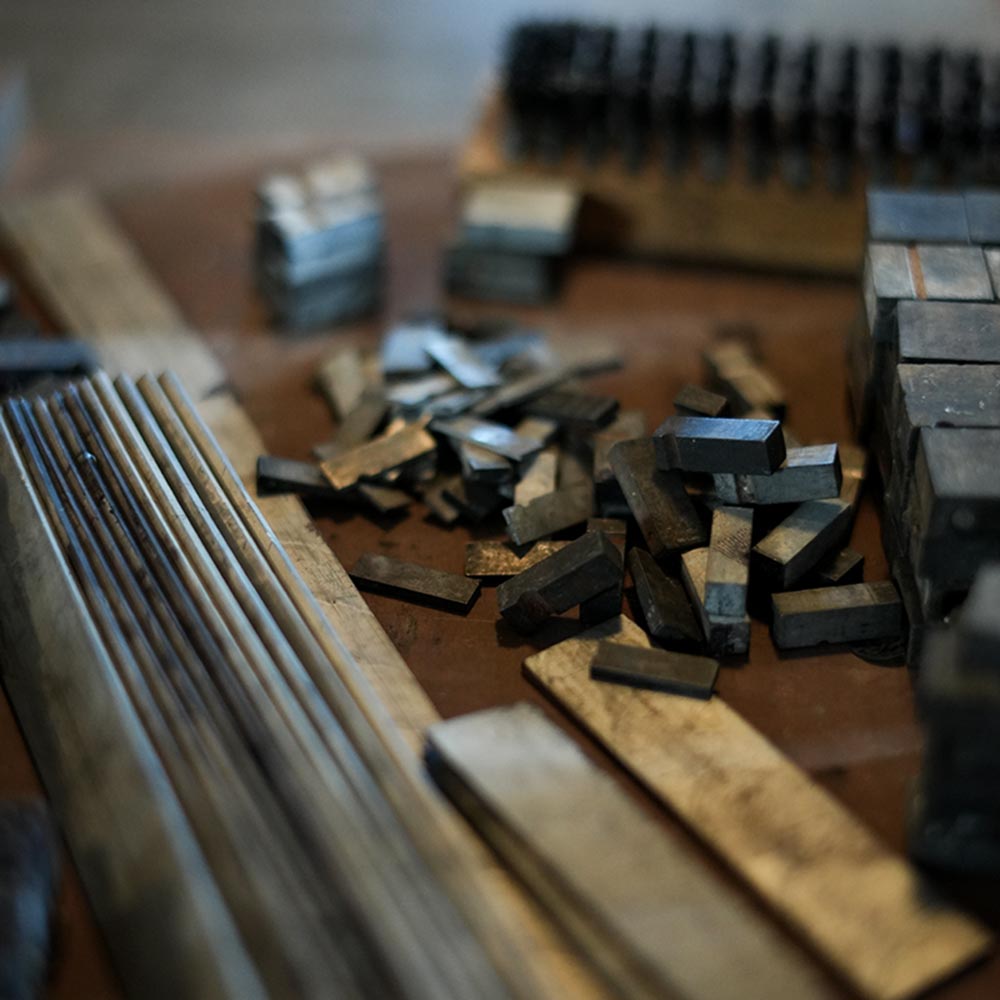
858 905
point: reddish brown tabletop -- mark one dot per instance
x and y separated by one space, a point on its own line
849 723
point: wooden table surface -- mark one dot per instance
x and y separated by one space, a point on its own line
849 723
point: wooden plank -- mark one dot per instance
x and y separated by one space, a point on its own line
862 908
654 919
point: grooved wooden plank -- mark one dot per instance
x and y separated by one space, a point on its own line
863 908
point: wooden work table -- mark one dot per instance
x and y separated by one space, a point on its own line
848 722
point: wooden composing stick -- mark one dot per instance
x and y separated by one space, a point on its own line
694 401
727 635
286 475
657 499
808 473
728 569
656 669
495 437
384 454
858 905
386 575
548 514
795 546
550 812
851 613
500 559
583 569
719 444
666 609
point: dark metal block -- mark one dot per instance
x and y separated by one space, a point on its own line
548 514
382 455
845 566
726 636
694 401
599 608
574 409
479 465
589 566
629 424
656 669
496 437
809 473
657 499
382 574
955 273
666 609
982 210
728 569
949 331
22 360
384 499
457 358
916 216
887 279
404 349
495 560
707 444
854 613
801 541
538 477
285 475
474 500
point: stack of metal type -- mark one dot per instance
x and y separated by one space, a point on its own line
925 387
956 809
715 512
244 820
320 239
512 241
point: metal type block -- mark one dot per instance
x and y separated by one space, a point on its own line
493 560
719 444
657 499
982 210
453 404
809 473
525 218
666 609
656 669
800 541
496 437
574 409
379 456
978 628
857 612
23 360
285 475
628 425
445 510
537 428
538 477
479 465
694 401
557 511
916 216
404 349
357 426
886 280
455 357
414 393
728 569
475 501
725 636
384 499
589 566
499 276
955 273
948 331
519 390
845 566
608 604
383 574
341 379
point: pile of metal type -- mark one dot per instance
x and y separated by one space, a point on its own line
956 809
319 243
714 515
512 240
925 389
244 821
793 108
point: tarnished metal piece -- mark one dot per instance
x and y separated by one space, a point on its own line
445 510
809 473
979 627
286 475
666 609
548 514
456 358
657 499
538 477
537 429
610 500
845 566
957 273
489 560
916 217
385 575
479 465
852 613
358 425
589 566
657 669
607 604
694 401
404 349
384 499
375 458
496 437
475 500
725 636
805 537
728 569
413 393
520 390
719 444
886 280
949 331
575 409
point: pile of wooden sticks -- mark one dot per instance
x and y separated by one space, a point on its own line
302 856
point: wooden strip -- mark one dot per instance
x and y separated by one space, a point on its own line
649 915
864 909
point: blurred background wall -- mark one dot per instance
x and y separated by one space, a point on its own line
131 88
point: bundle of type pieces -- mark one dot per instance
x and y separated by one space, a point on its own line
925 390
245 822
319 243
709 499
707 145
924 359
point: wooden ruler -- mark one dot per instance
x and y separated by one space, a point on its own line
861 907
92 280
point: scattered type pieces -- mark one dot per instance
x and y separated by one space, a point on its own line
501 559
548 514
728 570
656 669
383 574
808 473
286 475
719 444
586 567
495 437
851 613
384 454
666 609
726 636
694 401
798 543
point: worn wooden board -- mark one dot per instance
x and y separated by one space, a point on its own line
862 908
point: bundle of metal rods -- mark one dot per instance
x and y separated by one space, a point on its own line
322 842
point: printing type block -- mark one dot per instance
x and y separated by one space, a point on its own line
726 636
386 575
728 568
803 539
549 513
808 473
853 613
657 669
719 444
665 606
